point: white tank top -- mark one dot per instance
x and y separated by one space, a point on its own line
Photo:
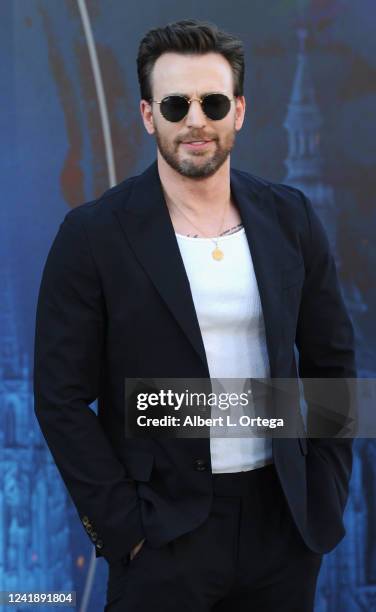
228 308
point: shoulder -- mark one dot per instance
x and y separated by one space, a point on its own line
283 194
292 209
96 212
291 204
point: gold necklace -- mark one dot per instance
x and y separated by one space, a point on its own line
217 253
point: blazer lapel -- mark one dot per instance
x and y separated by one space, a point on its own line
259 216
146 222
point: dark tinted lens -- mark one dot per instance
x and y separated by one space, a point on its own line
174 108
216 106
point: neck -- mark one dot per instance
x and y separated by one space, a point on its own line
196 196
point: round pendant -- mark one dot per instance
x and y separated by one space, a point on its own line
217 254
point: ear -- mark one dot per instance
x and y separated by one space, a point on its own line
147 116
239 112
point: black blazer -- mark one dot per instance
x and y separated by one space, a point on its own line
115 302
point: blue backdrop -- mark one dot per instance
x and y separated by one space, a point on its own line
70 127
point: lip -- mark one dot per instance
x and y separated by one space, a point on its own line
192 145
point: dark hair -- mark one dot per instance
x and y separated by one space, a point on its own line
188 36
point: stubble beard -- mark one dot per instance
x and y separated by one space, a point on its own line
189 167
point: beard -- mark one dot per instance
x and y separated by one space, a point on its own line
200 164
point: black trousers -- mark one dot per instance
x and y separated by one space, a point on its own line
247 556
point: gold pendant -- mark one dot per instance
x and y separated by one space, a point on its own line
217 254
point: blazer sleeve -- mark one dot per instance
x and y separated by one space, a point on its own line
69 339
325 341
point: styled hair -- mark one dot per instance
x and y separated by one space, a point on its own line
189 36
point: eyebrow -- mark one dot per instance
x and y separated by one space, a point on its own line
185 95
174 93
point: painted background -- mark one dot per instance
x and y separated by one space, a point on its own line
56 154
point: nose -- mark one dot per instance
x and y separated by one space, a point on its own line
195 116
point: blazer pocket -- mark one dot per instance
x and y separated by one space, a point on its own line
139 464
293 276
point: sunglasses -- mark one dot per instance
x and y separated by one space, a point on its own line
174 108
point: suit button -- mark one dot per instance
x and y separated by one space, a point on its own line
94 536
99 544
200 465
89 529
85 520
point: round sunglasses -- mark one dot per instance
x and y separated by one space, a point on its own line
215 106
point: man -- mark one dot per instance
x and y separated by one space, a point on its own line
193 270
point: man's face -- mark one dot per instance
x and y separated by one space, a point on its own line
193 76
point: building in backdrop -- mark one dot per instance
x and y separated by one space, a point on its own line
347 581
34 532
